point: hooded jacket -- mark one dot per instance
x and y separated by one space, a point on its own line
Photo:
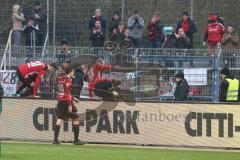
135 26
17 18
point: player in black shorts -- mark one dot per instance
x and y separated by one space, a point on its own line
65 107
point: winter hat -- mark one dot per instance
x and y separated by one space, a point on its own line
185 13
116 13
225 71
37 3
64 41
180 75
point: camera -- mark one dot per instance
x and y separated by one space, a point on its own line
168 30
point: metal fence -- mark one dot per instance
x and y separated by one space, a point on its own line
146 73
69 18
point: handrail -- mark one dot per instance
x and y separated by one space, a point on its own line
44 47
5 52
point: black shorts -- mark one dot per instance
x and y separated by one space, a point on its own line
20 77
27 81
63 111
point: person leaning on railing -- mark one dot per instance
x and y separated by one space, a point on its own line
229 88
188 26
182 41
213 35
65 53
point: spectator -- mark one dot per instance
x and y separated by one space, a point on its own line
229 88
39 19
97 17
229 41
135 26
213 35
114 23
182 88
120 33
188 26
152 32
159 35
182 41
65 53
17 18
97 35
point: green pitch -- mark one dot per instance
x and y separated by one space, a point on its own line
17 151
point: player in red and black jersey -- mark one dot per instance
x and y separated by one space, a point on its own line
65 107
30 75
104 88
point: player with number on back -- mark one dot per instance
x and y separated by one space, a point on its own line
101 87
30 75
65 107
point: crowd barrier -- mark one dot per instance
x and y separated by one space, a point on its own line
148 73
142 123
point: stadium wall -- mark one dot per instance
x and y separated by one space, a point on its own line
171 124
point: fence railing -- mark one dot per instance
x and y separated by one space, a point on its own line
146 73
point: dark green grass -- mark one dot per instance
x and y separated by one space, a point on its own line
20 151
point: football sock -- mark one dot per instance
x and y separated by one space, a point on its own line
56 132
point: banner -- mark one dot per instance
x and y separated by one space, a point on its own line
8 79
196 76
199 125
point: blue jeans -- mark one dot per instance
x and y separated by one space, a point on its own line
159 43
137 42
17 41
155 44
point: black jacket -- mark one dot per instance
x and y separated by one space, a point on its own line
63 57
182 43
181 91
40 22
191 29
1 91
224 89
97 38
113 24
159 34
78 82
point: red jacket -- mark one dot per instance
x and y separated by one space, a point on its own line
31 68
95 75
152 31
214 33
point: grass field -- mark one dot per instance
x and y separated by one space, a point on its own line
28 151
